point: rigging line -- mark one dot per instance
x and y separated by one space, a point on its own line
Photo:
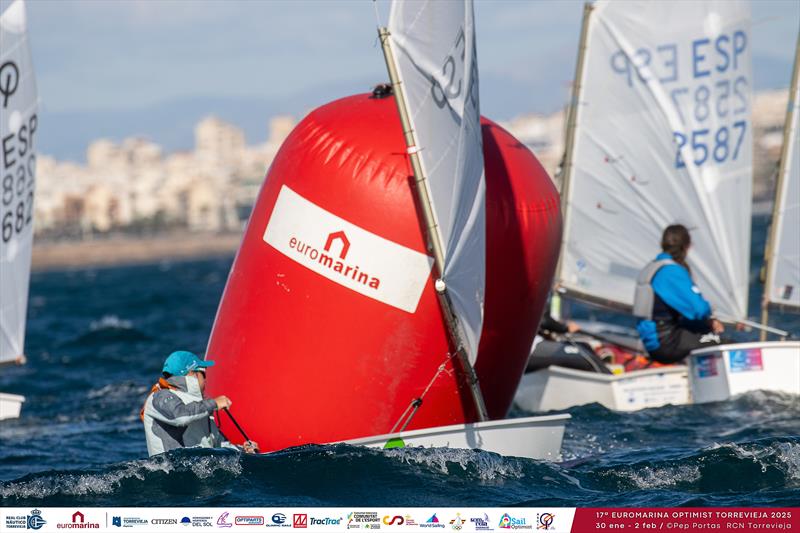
377 23
377 14
416 403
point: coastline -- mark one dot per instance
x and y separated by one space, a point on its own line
120 251
174 246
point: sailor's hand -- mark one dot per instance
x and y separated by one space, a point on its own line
223 402
572 327
716 326
250 447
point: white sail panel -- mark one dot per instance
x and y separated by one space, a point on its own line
434 47
18 124
784 264
663 136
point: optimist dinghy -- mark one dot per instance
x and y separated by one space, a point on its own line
657 134
18 121
722 372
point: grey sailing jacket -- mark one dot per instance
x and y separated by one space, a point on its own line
180 418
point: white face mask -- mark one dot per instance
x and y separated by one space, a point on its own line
193 386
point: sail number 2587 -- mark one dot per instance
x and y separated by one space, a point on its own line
724 145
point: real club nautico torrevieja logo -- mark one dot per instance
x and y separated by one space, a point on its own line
35 520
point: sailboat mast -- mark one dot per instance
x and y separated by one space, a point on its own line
566 169
431 227
769 251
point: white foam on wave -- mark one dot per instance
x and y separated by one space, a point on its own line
784 455
487 466
789 454
108 482
661 476
110 322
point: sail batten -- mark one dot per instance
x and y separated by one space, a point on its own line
18 125
433 46
660 135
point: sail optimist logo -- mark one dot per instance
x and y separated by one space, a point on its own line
345 253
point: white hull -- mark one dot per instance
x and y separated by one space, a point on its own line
721 372
536 437
10 405
556 387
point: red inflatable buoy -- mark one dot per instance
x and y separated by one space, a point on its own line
329 326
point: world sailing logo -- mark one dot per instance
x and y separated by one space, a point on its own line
433 521
345 253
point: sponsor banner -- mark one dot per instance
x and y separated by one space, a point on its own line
345 253
745 360
399 519
706 365
309 519
688 519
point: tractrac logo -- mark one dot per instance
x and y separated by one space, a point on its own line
393 520
326 521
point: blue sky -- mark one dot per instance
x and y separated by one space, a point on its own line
103 56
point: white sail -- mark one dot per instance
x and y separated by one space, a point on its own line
434 47
662 135
18 121
784 264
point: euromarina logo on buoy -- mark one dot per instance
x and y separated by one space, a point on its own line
345 253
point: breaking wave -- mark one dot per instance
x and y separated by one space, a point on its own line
313 475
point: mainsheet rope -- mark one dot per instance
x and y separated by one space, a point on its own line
416 403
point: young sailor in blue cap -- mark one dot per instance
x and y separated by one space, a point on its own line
176 415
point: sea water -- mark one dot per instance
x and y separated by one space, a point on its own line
96 342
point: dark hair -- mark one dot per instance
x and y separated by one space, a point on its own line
166 375
675 241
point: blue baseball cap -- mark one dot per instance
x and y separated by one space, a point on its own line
181 363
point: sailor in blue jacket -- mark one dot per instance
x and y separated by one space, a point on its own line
674 317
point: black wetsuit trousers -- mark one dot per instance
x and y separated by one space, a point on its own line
677 342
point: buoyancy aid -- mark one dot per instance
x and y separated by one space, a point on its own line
644 297
161 384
